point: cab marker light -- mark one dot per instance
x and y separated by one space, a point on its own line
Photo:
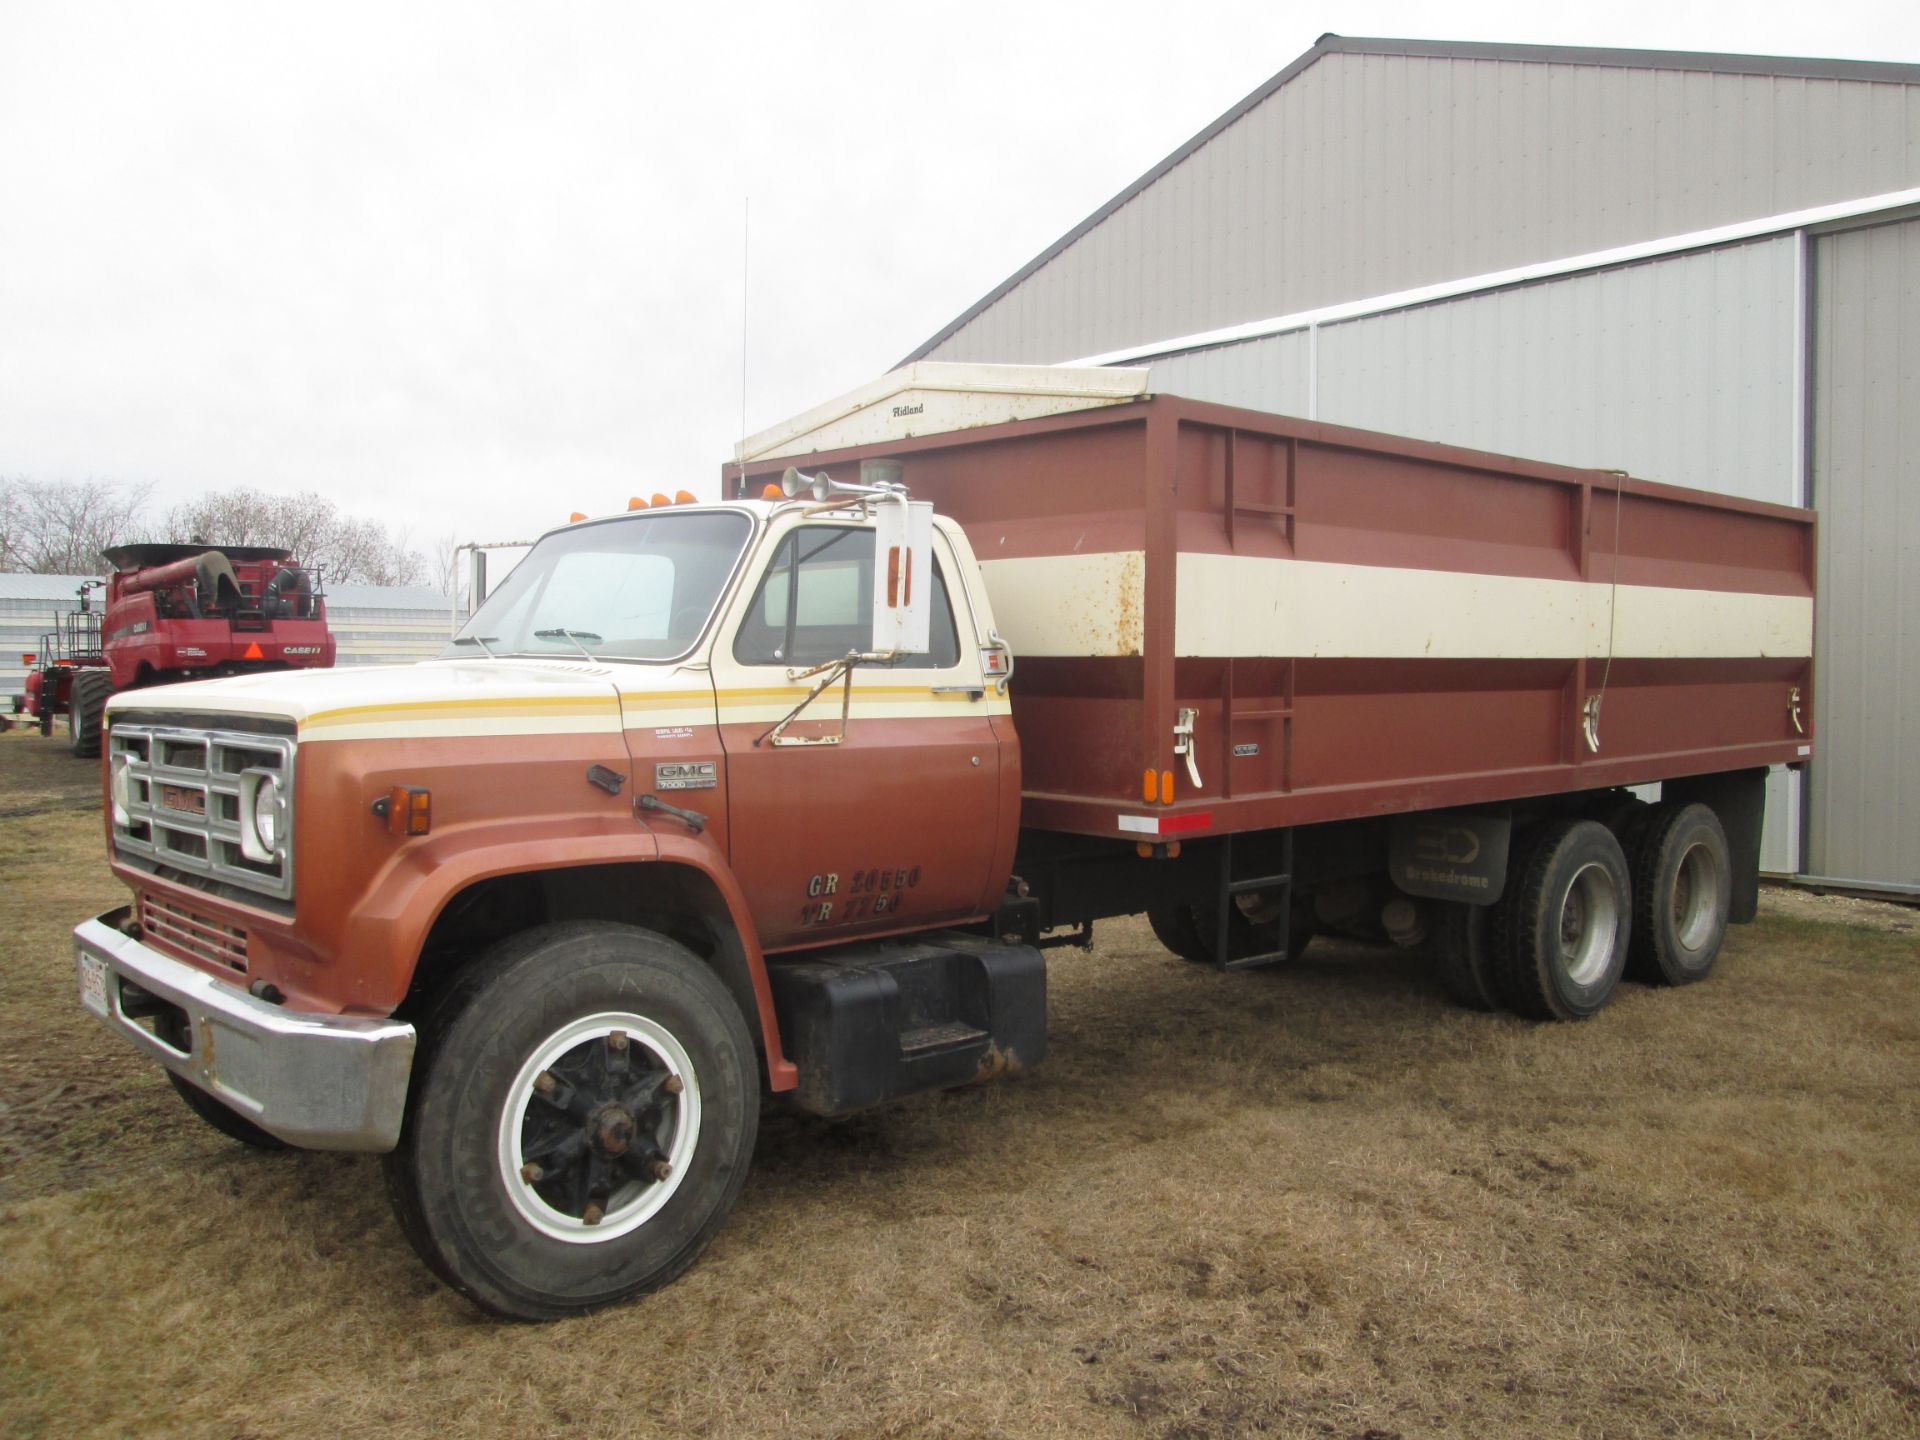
771 491
660 499
576 517
635 502
683 497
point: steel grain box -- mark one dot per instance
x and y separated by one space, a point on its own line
1358 623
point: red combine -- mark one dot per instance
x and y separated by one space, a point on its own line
177 612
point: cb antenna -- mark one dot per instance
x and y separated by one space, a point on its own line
746 236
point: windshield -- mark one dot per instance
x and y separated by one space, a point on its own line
637 588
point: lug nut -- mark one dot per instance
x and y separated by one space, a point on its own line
673 1085
661 1169
616 1040
532 1173
544 1082
593 1214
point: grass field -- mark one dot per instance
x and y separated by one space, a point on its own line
1312 1201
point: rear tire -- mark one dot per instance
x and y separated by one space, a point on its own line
85 710
228 1122
558 1074
1463 940
1682 888
1560 930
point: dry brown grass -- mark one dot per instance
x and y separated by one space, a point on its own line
1311 1202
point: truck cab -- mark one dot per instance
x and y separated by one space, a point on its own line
674 743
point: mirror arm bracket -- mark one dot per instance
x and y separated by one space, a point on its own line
829 671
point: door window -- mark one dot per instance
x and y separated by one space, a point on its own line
815 603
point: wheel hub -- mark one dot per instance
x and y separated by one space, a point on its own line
596 1131
610 1130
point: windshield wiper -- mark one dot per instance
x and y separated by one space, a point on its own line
480 640
576 636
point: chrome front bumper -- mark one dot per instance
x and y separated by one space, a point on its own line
322 1082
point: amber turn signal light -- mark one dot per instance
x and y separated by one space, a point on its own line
407 809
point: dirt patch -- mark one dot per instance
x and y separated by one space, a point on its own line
1832 909
1315 1201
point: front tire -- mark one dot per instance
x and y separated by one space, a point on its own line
230 1123
582 1119
1173 928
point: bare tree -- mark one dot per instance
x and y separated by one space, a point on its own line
54 529
349 549
11 526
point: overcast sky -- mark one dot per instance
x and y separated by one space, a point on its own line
468 268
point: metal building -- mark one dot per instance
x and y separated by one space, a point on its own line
1703 269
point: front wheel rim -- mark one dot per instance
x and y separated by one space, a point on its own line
1589 923
591 1117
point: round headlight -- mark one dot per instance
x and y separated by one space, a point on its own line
266 812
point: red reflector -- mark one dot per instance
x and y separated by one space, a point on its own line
1175 824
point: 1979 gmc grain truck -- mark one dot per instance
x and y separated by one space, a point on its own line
789 793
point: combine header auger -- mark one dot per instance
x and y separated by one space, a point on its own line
173 613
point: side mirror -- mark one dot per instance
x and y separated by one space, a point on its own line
903 577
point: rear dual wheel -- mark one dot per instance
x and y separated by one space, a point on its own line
1463 941
1682 887
582 1120
1558 936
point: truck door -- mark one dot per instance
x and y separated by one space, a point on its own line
892 825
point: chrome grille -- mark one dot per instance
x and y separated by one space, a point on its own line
174 924
176 794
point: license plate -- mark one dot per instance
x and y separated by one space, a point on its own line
93 984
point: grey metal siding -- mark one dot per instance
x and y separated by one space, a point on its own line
1864 815
1679 370
1266 374
1370 173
